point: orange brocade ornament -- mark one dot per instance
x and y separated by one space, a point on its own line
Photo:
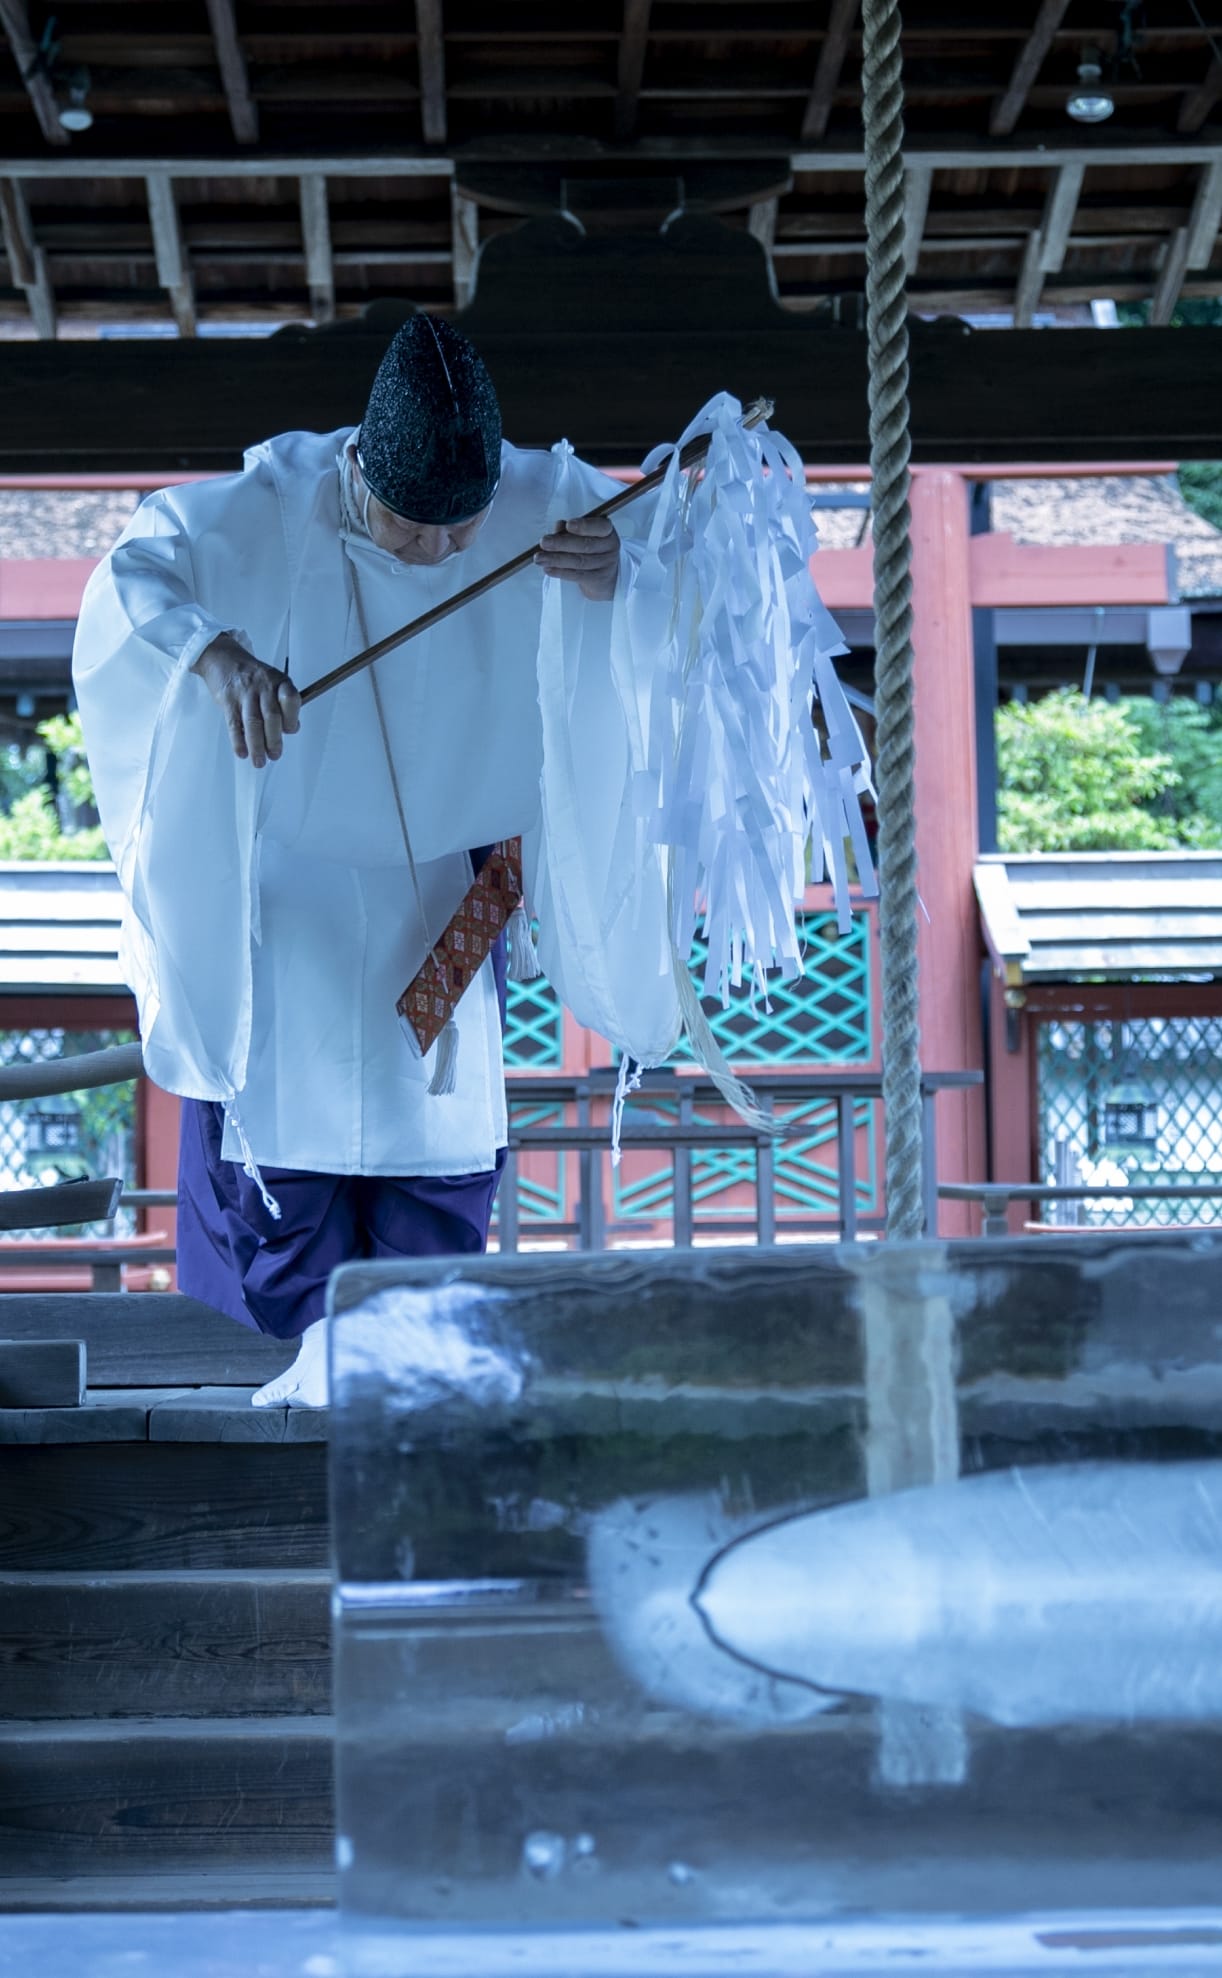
454 961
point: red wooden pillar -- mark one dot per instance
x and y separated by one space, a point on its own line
949 941
158 1140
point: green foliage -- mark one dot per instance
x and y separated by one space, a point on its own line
1201 487
62 735
32 830
1192 737
1076 776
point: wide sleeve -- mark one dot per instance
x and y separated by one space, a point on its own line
177 806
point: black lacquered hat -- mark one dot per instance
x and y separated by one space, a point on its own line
429 446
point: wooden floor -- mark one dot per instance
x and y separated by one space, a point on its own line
165 1736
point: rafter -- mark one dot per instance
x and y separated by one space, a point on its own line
634 37
918 185
1206 216
243 112
464 234
15 20
1170 278
430 43
1200 101
173 269
316 233
834 48
1046 244
26 259
1009 106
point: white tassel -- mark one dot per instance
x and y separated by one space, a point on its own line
629 1080
250 1167
523 955
445 1071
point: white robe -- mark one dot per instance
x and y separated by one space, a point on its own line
271 922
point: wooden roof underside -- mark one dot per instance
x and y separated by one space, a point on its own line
296 161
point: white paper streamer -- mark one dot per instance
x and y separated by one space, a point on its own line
739 787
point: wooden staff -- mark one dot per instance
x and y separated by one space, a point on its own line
693 452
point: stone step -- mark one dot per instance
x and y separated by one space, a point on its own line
163 1506
201 1644
168 1795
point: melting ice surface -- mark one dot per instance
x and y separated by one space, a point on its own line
1034 1597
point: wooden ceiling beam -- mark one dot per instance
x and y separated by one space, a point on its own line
1206 216
1200 101
832 53
173 267
464 245
1170 278
630 69
431 54
26 259
316 236
15 20
243 110
918 185
1009 106
1046 245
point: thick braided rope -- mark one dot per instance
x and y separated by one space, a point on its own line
886 307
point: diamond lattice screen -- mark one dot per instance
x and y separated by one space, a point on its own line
1178 1063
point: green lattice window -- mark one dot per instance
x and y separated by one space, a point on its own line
101 1125
807 1170
1178 1062
826 1016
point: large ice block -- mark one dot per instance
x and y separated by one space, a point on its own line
736 1588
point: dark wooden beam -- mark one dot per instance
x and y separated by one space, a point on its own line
316 234
834 48
1206 216
430 42
1046 246
1200 101
15 21
1171 275
1009 106
173 268
27 260
1021 395
634 37
243 111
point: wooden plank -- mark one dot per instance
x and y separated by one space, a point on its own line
1030 281
173 270
430 41
1060 209
165 1644
1199 102
147 1506
1083 395
1206 215
1031 56
832 52
178 1793
225 1414
630 68
155 1892
1103 924
918 185
1005 930
100 1418
1008 573
26 258
15 21
316 232
243 112
1171 274
1057 964
63 1202
1152 895
41 1373
149 1338
464 250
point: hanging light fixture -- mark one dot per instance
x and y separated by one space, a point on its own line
1091 102
75 114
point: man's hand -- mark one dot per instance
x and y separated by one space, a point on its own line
585 551
260 704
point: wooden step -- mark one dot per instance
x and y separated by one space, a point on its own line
148 1338
158 1890
90 1645
164 1414
166 1795
163 1506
